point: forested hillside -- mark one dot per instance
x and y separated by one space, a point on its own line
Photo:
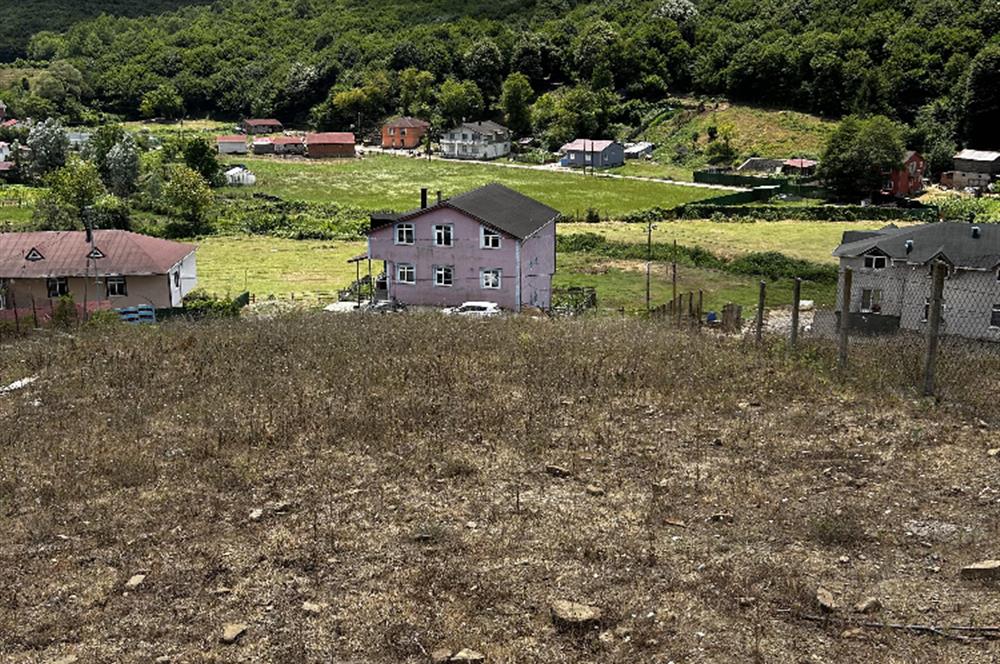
19 19
331 63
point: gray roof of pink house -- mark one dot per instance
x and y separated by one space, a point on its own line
494 204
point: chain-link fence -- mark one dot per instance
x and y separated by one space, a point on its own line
926 330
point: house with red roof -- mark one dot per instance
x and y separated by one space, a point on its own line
404 133
596 154
107 269
907 179
289 145
799 166
332 144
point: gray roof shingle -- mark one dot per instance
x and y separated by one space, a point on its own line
952 241
494 204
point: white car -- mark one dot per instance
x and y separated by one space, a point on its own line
481 309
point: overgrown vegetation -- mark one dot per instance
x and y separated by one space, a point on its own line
709 460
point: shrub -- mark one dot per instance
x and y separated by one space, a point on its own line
202 304
64 313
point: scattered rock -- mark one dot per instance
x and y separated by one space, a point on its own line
994 452
594 490
164 659
312 607
468 655
852 633
568 614
985 569
135 581
440 655
843 560
722 517
557 471
256 514
868 605
233 631
676 523
68 659
222 590
825 599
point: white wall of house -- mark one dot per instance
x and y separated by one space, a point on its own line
183 279
232 148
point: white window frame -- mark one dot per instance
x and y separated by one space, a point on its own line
876 259
57 284
407 267
487 276
401 229
442 232
993 311
439 273
874 299
489 238
120 286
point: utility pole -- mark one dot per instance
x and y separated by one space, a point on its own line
649 259
933 328
673 273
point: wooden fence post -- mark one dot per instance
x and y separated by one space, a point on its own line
699 311
845 316
761 299
796 298
933 328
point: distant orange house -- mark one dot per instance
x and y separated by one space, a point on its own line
404 133
907 179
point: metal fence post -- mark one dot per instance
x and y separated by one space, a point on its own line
760 310
933 328
796 298
845 316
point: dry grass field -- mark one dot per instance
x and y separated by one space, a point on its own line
376 488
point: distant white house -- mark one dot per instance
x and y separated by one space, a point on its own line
588 152
476 140
77 139
240 176
4 152
638 150
235 144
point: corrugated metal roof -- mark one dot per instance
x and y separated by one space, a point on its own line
65 254
486 126
263 122
978 155
233 138
408 122
586 145
330 138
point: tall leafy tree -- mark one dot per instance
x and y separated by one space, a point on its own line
859 153
982 99
49 147
459 101
515 100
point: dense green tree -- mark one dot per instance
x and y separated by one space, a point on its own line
515 100
189 198
484 64
122 167
859 153
459 101
982 99
162 102
202 158
416 91
49 148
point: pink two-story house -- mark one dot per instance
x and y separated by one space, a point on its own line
489 244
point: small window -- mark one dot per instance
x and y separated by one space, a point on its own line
177 279
406 273
392 131
444 275
57 286
402 132
871 300
927 310
34 255
875 262
95 254
995 316
443 235
404 233
489 279
488 238
117 287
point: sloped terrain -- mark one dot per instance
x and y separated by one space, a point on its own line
378 488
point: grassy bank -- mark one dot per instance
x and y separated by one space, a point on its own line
380 182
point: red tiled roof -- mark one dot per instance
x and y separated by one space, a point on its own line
408 122
64 254
287 140
7 166
331 138
9 123
263 122
234 138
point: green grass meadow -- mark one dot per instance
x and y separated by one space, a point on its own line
381 182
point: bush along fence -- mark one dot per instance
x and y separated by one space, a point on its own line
916 329
784 185
710 210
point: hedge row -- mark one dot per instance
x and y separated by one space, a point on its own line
783 213
770 264
265 215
